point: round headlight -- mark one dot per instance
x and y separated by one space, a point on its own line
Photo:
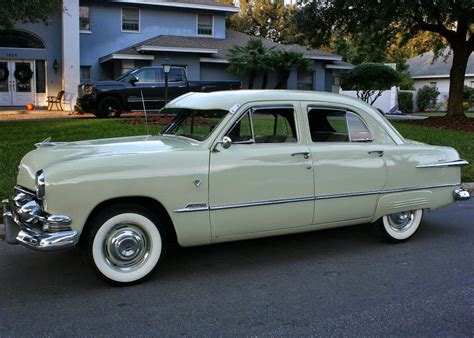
40 184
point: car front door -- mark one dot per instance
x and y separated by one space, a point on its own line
264 181
349 167
143 90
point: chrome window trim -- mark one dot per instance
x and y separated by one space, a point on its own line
455 163
309 107
190 208
250 110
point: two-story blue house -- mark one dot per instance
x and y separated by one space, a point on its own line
93 40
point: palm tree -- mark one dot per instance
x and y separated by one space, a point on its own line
251 59
286 61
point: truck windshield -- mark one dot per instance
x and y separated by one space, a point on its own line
124 75
193 123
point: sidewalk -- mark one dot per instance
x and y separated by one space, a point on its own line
13 115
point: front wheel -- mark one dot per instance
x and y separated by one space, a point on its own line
109 107
124 244
400 226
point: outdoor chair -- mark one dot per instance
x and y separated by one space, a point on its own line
56 100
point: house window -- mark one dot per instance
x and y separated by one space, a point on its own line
472 84
130 19
84 19
305 80
205 24
433 84
85 73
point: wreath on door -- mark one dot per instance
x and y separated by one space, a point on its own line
23 72
4 73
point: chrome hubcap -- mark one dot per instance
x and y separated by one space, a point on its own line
401 221
127 247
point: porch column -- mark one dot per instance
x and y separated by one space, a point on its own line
70 52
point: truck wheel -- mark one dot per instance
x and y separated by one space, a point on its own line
109 107
398 227
124 243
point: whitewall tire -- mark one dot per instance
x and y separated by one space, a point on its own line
400 226
124 244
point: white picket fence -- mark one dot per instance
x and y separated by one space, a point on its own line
386 101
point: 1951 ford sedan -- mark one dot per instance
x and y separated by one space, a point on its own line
230 166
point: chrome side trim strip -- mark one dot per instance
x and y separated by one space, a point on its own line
259 203
203 207
386 191
193 207
456 163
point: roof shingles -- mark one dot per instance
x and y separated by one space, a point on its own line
222 46
424 65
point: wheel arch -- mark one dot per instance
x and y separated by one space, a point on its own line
149 203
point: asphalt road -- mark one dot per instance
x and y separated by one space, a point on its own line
332 282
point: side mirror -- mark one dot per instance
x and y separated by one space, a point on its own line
226 142
134 80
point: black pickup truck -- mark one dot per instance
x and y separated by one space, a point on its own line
141 87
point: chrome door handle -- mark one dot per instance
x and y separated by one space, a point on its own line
378 152
305 154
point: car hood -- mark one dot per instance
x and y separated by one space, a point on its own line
51 153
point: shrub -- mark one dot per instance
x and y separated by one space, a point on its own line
468 96
405 102
427 97
370 80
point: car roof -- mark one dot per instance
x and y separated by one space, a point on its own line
225 100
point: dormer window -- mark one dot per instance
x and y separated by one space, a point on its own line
131 20
205 25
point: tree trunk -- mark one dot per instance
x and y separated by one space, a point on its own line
282 80
264 80
456 82
252 75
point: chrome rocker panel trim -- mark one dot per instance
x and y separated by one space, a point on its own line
456 163
203 207
17 231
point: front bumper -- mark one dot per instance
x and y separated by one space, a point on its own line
461 194
86 104
36 234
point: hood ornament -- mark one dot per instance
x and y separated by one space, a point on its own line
47 143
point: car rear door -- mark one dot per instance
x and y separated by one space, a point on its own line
264 181
349 167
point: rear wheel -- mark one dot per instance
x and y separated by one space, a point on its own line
400 226
124 244
109 107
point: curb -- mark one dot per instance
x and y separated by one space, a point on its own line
469 186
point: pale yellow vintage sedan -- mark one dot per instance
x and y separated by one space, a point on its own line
230 166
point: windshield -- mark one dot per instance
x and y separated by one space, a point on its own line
124 75
193 123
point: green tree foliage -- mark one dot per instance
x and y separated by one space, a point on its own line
254 58
251 59
370 80
286 61
427 97
267 19
24 11
450 22
405 101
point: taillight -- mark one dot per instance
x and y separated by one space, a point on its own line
88 89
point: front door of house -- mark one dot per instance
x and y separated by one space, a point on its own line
16 82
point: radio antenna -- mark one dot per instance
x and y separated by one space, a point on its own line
146 116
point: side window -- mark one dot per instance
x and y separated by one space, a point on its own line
266 125
333 125
176 75
358 130
147 76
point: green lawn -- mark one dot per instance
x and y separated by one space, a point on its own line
17 138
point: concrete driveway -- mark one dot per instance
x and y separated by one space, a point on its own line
332 282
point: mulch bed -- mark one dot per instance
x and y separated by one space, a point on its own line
452 123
